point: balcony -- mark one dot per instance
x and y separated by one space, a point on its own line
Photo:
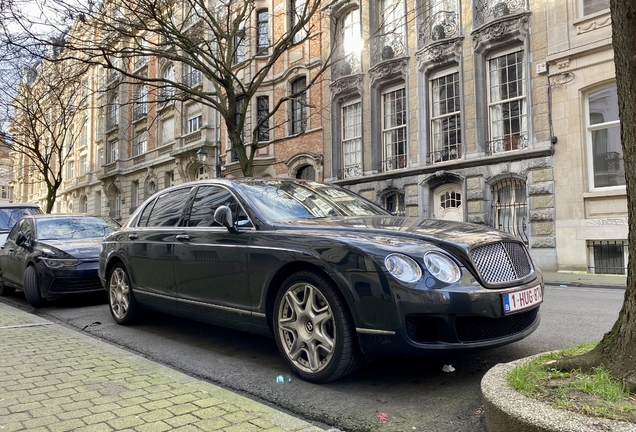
440 26
193 78
140 111
393 163
348 171
452 152
507 143
387 47
490 10
348 65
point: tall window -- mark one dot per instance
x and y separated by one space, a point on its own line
193 76
589 7
167 89
100 157
392 27
83 138
195 123
605 151
507 103
445 118
141 102
262 28
352 139
298 15
83 207
140 144
240 48
70 169
113 151
83 165
510 207
298 108
394 129
262 111
167 130
112 112
351 42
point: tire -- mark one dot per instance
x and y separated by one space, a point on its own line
314 330
32 288
5 290
122 303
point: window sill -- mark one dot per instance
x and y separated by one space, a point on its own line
607 192
587 18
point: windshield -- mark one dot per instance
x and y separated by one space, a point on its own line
74 228
9 216
282 201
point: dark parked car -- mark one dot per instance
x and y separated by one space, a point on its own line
332 276
49 256
11 213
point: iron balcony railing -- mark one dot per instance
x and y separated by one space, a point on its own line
452 152
348 65
393 163
437 27
354 170
387 47
506 143
490 10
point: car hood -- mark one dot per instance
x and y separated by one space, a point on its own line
80 249
460 234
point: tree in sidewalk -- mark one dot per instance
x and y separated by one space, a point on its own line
40 108
237 46
617 350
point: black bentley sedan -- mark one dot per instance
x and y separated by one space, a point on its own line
333 277
49 256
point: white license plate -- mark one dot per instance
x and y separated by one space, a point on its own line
519 300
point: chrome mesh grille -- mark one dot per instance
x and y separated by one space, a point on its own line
502 262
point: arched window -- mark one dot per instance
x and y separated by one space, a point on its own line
393 202
306 172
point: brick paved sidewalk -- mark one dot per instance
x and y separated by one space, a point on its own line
53 379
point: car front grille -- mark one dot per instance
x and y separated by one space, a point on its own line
502 262
69 285
472 329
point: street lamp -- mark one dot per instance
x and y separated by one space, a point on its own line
202 155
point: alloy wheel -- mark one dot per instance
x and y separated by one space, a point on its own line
119 293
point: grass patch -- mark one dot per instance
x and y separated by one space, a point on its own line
595 394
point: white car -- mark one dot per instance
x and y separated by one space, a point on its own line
11 213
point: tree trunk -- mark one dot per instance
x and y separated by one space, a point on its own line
617 349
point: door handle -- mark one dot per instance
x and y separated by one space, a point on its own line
133 236
182 237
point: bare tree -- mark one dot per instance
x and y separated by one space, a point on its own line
40 106
221 40
617 349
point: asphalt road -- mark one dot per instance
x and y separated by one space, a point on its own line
412 395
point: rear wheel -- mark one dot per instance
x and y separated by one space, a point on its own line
32 288
314 330
5 290
123 306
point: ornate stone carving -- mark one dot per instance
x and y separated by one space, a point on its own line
594 25
388 68
352 82
441 52
498 30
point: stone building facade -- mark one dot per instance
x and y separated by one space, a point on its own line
440 109
589 176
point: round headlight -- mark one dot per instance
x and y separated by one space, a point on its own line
404 268
442 267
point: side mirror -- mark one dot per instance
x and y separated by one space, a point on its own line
21 240
223 216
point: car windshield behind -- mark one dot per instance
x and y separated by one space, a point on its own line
9 216
74 228
282 201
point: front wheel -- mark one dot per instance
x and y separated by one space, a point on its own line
313 328
32 288
123 306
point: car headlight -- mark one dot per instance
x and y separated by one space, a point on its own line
59 263
403 268
442 267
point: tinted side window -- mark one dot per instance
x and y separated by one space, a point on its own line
168 207
15 230
206 201
28 229
145 214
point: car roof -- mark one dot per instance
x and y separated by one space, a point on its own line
64 215
18 205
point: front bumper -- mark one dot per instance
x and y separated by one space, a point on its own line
447 319
66 281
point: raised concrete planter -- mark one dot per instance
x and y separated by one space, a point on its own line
507 410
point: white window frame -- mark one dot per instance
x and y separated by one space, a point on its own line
113 151
83 164
581 8
589 143
456 153
195 123
140 144
351 144
501 136
401 160
297 14
70 169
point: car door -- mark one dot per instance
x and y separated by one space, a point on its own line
15 256
210 263
150 244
